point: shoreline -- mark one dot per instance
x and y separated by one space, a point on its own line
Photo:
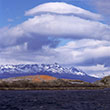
58 88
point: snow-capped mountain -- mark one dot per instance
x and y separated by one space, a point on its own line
56 70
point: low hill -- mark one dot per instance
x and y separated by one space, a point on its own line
40 79
33 78
104 81
44 82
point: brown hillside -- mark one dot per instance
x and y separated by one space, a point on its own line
43 78
43 82
39 78
34 78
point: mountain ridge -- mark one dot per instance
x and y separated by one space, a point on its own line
54 70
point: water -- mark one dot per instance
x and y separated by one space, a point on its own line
55 100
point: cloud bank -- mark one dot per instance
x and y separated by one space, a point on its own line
37 40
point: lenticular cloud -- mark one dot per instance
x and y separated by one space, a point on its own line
62 8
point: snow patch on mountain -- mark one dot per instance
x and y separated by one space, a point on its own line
35 68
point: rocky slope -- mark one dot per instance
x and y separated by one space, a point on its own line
104 81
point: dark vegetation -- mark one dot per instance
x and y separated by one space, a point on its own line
54 84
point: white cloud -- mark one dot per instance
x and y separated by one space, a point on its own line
55 25
67 26
82 50
70 54
90 39
58 25
62 8
96 70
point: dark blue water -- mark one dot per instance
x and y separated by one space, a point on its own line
55 100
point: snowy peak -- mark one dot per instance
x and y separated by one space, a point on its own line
54 70
35 68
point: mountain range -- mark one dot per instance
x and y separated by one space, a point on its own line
55 70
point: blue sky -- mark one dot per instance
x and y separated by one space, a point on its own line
16 8
70 32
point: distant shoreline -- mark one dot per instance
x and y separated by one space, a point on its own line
57 88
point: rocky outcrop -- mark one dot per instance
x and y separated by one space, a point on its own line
104 81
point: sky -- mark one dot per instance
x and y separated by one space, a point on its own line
69 32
